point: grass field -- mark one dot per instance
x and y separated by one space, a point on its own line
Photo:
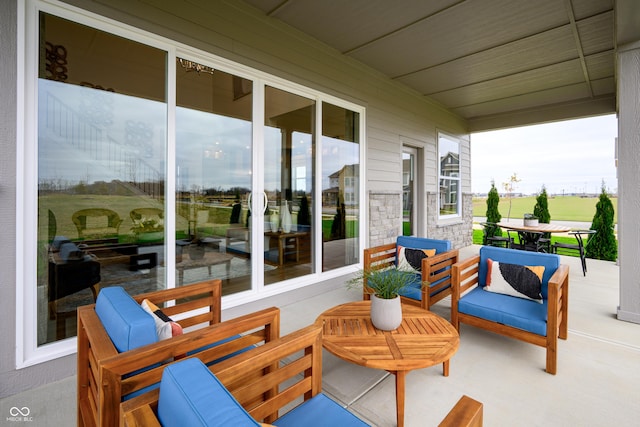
569 208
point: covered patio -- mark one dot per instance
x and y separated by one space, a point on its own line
596 384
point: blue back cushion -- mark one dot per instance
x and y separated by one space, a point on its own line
551 262
190 395
424 243
127 324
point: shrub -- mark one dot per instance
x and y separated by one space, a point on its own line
541 209
603 244
493 215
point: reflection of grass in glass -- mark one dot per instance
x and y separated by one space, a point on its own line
351 228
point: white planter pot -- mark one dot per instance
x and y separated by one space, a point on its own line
386 314
530 222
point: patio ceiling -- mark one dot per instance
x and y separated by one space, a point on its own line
497 63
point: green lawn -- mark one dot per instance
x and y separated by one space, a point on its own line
570 208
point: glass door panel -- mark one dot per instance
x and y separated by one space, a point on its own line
340 186
289 151
102 137
213 176
408 190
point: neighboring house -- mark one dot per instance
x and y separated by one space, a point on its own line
113 105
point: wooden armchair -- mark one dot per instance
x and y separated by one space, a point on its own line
536 322
435 270
263 380
101 390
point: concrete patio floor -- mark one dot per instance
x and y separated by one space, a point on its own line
597 384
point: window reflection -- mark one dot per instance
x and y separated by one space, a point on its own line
101 156
213 176
340 186
289 153
449 154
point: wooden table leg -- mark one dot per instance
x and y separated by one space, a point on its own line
445 368
400 389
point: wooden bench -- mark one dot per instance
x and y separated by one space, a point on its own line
194 306
436 269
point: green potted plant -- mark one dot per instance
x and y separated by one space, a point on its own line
384 285
530 220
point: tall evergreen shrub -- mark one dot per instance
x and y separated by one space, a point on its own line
603 244
541 209
493 215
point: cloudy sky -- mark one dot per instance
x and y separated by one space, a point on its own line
572 157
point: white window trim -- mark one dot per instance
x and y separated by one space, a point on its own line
458 178
28 352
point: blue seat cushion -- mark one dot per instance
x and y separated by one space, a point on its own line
125 321
319 411
520 313
190 395
551 262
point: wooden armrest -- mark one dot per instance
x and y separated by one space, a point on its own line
466 413
379 256
558 303
465 274
141 417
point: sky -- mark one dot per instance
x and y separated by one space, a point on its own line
572 156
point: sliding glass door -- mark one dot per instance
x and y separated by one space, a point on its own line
213 176
289 158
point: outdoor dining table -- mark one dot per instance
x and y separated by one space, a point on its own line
531 234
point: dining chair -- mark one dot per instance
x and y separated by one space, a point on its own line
489 236
533 241
580 246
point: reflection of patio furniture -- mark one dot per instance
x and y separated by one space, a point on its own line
208 260
107 375
287 244
70 271
96 223
238 241
148 225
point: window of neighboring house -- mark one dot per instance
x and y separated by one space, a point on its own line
449 176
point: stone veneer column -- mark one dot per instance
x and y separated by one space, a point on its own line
384 217
458 231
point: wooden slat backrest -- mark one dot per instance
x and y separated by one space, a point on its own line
195 304
256 378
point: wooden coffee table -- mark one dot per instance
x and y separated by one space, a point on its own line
423 339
